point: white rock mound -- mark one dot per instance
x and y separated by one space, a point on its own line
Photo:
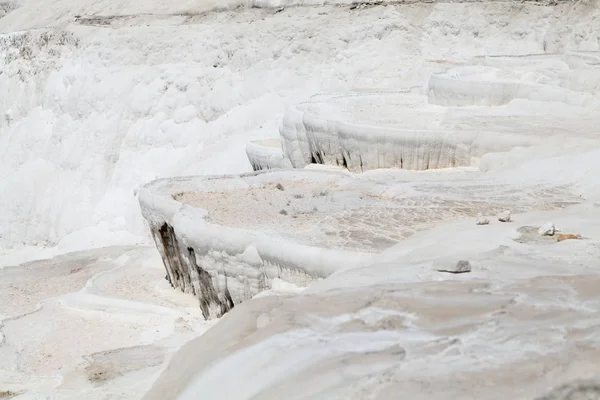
504 216
481 220
548 229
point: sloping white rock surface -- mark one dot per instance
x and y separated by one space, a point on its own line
522 322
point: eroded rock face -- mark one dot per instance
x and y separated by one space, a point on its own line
224 264
183 272
313 139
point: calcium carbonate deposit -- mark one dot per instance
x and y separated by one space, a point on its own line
299 200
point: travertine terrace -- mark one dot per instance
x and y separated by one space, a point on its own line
382 135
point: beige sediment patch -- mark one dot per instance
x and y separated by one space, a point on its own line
567 236
141 282
23 287
7 394
530 235
354 215
107 365
75 307
293 205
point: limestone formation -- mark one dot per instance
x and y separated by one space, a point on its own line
215 249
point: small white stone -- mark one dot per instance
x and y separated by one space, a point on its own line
504 216
548 229
481 220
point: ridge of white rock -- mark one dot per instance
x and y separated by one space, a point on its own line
492 86
20 15
266 154
311 139
224 265
364 131
361 132
227 238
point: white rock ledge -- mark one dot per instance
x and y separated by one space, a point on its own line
362 132
266 154
310 139
224 266
322 134
227 238
495 86
404 130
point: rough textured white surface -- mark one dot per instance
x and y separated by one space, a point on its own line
133 92
240 262
94 324
360 331
99 97
363 131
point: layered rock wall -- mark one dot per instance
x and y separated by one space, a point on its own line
224 266
309 139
